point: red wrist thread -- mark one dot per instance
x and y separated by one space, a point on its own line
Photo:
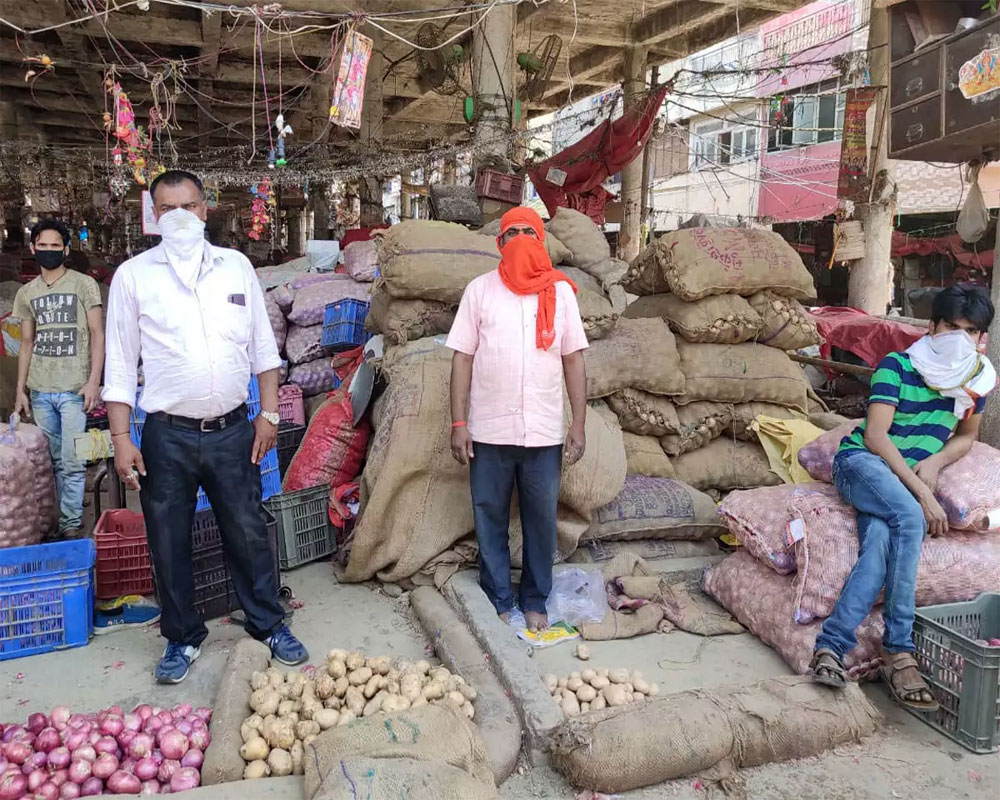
459 424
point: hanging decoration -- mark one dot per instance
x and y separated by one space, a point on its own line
262 208
852 183
349 89
37 65
283 131
132 142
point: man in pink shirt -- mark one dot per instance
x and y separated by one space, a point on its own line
516 337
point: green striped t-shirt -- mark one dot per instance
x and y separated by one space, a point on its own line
924 418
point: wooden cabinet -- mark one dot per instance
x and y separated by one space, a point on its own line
930 118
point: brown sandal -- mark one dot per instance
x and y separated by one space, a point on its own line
897 663
833 672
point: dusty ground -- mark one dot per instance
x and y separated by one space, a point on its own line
906 760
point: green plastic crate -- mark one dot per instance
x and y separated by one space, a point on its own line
304 530
964 676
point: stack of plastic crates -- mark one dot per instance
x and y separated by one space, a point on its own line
270 478
304 530
289 438
123 561
46 597
344 324
963 670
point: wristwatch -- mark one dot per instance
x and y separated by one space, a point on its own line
271 416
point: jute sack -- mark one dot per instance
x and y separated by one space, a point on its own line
721 730
725 464
644 275
656 508
570 526
741 373
745 413
785 323
405 320
558 252
418 502
600 474
598 315
394 778
639 353
644 456
699 423
595 552
698 262
643 413
726 318
432 260
432 734
588 247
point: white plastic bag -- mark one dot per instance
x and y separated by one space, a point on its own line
974 219
577 596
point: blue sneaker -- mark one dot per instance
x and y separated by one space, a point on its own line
177 659
286 648
124 616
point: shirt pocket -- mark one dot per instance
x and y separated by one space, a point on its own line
233 318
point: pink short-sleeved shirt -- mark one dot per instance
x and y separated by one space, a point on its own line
517 389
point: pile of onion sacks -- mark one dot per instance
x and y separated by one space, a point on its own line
64 755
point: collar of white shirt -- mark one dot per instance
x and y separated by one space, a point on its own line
211 255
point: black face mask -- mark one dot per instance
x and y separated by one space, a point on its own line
49 259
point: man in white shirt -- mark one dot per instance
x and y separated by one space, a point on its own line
194 314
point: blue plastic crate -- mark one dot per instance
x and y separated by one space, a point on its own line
344 324
46 597
270 480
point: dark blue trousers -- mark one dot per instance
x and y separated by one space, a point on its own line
494 472
177 461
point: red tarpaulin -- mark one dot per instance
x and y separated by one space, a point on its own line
905 245
869 338
582 167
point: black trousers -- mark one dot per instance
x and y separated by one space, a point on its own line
178 461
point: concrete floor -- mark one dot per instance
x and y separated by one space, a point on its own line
905 760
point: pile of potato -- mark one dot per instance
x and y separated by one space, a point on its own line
594 689
291 708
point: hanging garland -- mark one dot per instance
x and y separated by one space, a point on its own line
262 207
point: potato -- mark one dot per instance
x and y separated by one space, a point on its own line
561 683
255 720
296 689
354 661
265 701
285 691
282 735
634 676
255 749
440 674
293 717
336 655
457 699
267 724
654 689
336 669
374 705
325 685
570 705
468 692
588 675
331 702
615 695
309 709
280 762
256 769
586 693
629 688
392 687
575 675
248 732
638 697
583 652
307 728
355 701
603 672
381 664
346 718
372 686
286 707
298 759
618 675
433 691
584 708
395 702
275 677
409 686
259 681
422 666
340 686
600 682
394 675
640 685
308 741
598 703
359 676
573 684
325 718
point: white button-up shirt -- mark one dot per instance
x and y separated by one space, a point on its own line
199 340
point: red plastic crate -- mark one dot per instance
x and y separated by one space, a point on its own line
290 405
123 562
500 186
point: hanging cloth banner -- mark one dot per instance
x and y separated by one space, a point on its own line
852 183
349 90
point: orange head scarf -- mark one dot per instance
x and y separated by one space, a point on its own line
525 268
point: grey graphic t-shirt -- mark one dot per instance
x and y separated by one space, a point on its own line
60 360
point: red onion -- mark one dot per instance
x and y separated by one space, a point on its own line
36 778
144 711
59 777
105 744
60 717
150 787
146 768
36 722
152 725
123 783
173 743
93 736
127 765
185 778
74 740
37 759
166 717
192 758
69 791
200 739
167 770
59 758
112 725
27 767
132 721
18 752
125 737
80 770
3 765
204 712
48 791
10 732
158 757
141 745
13 785
104 766
185 727
76 721
116 710
84 753
91 787
47 739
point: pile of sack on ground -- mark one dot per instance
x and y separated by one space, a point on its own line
800 542
416 520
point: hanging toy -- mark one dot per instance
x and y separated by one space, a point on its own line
116 154
271 160
283 131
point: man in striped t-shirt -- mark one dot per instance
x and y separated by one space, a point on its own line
923 414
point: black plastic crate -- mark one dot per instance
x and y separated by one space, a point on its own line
289 438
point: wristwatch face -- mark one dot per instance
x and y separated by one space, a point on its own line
271 417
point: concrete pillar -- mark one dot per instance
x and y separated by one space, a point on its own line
450 171
868 284
405 208
370 186
911 280
296 243
990 430
493 54
634 89
320 210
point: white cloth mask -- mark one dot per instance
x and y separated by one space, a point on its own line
951 364
184 242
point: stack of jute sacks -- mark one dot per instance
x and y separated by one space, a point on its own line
800 542
416 519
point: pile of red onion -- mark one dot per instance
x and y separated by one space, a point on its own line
62 756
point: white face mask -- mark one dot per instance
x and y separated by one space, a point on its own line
184 241
957 345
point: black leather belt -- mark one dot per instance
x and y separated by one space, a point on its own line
203 425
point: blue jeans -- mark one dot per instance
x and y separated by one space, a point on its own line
60 415
891 528
493 473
